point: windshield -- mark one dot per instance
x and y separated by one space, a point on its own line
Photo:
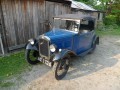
72 25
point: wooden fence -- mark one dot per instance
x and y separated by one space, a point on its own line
1 41
1 46
23 19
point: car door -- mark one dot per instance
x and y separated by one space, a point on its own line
82 42
90 36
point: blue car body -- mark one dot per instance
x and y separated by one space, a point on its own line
68 41
71 41
55 47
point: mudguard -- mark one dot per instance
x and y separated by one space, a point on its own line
60 55
96 39
32 47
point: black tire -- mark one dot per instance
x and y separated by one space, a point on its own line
34 54
61 65
93 48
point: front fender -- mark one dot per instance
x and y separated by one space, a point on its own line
60 55
32 47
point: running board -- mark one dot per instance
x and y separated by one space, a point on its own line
84 53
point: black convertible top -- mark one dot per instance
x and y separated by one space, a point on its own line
75 17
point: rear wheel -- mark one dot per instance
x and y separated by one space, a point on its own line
61 67
32 56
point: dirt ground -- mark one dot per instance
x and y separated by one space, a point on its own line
97 71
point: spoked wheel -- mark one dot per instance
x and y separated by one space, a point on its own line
32 56
61 67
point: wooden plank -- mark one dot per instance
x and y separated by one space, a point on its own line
41 18
19 22
28 19
16 47
14 8
6 22
35 18
30 15
2 31
11 29
1 46
24 20
8 18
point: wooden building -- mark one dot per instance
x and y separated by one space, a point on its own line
21 20
83 9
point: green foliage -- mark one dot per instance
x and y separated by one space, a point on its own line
11 66
109 30
116 11
110 19
6 84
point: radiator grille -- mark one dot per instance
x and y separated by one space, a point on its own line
44 48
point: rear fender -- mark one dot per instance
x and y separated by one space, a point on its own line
32 47
96 40
60 55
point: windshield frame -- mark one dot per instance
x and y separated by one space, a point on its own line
68 20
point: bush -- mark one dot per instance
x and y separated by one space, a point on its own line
103 27
110 20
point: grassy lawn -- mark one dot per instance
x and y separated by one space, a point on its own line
12 65
109 31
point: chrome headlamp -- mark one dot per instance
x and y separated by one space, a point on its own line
32 41
52 48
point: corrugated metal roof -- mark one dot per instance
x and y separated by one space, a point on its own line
80 5
61 1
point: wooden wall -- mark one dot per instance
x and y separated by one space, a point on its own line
0 43
0 33
24 19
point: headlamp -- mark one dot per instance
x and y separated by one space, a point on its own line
32 42
52 48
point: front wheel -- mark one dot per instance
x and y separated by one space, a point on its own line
32 56
61 67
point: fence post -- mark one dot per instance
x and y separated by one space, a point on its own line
1 43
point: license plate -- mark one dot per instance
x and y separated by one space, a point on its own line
45 61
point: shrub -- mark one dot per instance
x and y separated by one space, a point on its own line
110 20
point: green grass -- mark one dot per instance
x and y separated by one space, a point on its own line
12 65
6 84
109 31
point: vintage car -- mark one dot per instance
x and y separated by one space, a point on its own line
71 35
